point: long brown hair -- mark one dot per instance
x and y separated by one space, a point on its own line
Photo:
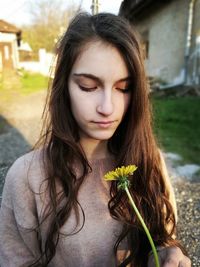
132 143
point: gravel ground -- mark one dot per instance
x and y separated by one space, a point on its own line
21 131
188 203
12 145
21 126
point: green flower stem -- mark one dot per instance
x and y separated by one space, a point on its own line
144 227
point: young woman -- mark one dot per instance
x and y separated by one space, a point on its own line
57 210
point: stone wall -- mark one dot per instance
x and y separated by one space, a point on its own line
165 28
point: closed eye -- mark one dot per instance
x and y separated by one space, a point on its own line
124 90
87 89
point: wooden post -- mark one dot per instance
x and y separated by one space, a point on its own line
95 7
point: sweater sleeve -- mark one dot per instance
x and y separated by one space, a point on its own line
19 244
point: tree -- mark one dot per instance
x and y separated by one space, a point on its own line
49 20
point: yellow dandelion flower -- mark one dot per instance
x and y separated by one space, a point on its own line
120 172
109 176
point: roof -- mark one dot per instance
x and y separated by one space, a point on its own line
8 28
131 8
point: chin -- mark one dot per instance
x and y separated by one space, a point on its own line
102 136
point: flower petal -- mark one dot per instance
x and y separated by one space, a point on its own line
120 172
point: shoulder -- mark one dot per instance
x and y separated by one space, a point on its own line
21 186
31 159
30 163
24 176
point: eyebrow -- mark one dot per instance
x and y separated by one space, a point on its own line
93 77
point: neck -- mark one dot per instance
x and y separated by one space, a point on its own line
94 149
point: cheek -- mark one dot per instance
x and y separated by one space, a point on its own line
81 106
76 107
76 102
124 104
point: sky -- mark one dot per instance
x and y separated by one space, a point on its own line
16 11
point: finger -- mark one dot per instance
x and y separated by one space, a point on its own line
186 262
171 262
160 250
174 257
151 261
161 255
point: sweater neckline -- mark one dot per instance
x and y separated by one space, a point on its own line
102 159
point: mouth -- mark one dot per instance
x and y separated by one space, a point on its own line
104 124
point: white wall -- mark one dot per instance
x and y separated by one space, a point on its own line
7 37
45 65
11 38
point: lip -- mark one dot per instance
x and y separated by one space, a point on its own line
104 124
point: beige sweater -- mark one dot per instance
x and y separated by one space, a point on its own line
22 206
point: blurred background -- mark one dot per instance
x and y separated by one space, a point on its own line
170 37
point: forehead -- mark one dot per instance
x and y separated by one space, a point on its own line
102 60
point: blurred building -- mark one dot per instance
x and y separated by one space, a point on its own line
25 51
170 32
10 37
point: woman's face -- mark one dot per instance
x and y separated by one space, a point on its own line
99 90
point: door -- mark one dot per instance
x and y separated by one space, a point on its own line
6 55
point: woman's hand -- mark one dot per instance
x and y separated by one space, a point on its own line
170 257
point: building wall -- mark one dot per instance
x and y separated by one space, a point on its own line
193 65
8 50
196 28
6 55
45 65
166 28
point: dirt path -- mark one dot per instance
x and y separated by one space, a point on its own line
21 121
25 115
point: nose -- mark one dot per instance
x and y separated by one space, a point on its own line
105 105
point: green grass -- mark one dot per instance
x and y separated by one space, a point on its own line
22 82
32 82
14 85
177 126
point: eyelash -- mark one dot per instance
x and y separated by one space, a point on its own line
87 89
124 91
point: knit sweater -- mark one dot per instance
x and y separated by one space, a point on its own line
21 210
22 206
